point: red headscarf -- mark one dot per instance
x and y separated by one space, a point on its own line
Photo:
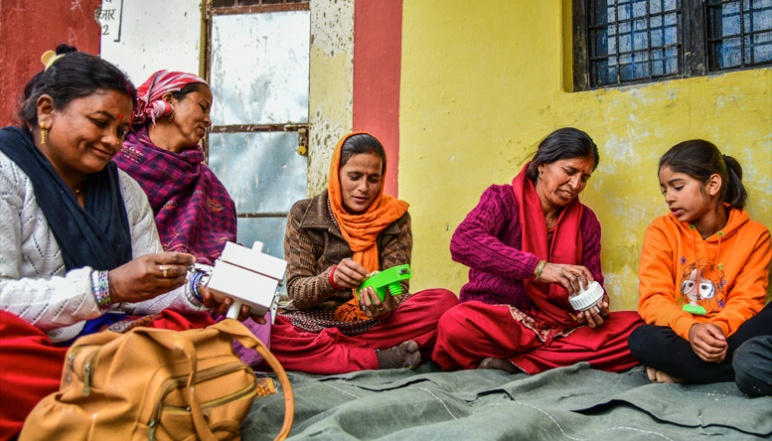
149 102
550 299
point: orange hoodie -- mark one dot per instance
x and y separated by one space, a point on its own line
726 274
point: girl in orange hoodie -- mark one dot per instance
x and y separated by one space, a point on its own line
703 273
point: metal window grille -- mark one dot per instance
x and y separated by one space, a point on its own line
633 40
739 33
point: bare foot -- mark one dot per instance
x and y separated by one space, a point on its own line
497 363
660 377
404 355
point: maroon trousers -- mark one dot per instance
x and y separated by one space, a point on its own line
475 330
31 365
332 352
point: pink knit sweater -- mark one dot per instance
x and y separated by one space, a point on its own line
488 241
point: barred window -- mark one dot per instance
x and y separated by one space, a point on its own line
739 33
618 42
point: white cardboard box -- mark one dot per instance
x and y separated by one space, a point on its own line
248 276
253 260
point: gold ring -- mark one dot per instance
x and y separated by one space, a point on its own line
380 308
165 271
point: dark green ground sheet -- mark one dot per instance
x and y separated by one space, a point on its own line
573 403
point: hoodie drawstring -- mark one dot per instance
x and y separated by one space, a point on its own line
718 250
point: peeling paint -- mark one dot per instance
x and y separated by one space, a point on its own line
331 96
151 40
461 96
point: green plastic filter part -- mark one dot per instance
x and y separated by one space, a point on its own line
694 309
387 281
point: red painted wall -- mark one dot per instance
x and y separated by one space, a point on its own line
377 66
30 27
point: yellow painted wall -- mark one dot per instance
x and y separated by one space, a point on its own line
483 83
330 97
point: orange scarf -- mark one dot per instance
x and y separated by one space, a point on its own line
360 230
551 300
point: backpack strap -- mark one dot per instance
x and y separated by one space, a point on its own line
244 336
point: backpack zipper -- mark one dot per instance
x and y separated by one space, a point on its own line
88 370
180 381
71 362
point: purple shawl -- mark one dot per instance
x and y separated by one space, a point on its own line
489 241
193 211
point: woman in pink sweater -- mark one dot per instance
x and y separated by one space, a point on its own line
528 247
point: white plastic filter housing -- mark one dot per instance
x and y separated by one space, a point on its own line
587 298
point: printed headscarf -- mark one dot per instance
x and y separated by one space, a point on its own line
360 230
150 106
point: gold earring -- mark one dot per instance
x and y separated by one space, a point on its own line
42 133
171 117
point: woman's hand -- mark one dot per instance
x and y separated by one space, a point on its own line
708 342
222 308
148 276
595 317
567 276
349 274
372 305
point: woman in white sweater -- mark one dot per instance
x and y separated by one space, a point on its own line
79 250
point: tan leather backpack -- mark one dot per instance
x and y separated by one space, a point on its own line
155 384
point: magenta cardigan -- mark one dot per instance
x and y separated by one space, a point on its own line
488 241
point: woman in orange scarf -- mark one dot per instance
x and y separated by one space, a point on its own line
333 242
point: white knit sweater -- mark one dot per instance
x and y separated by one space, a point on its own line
34 283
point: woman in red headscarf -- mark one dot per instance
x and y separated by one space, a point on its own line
529 246
193 211
333 242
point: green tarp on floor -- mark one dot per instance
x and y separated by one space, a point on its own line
574 403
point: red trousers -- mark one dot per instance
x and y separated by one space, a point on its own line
31 365
475 330
332 352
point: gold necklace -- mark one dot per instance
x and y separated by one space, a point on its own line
79 189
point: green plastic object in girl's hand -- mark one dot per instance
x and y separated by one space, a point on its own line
694 309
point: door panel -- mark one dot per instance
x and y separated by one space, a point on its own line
268 230
262 171
259 64
260 68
